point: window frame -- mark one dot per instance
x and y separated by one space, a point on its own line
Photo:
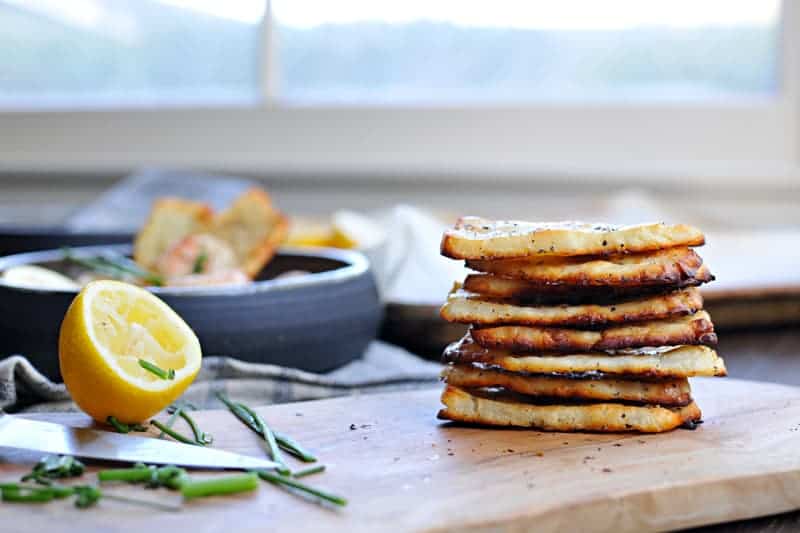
675 144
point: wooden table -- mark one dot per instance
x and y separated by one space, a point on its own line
403 470
771 355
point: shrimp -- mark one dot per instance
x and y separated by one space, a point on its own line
201 259
226 277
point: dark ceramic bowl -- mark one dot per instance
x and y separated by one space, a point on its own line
18 239
316 321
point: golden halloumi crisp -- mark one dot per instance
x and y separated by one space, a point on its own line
690 329
479 238
546 293
672 392
499 409
659 362
253 228
663 267
470 308
170 221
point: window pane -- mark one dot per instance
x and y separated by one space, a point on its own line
111 52
451 51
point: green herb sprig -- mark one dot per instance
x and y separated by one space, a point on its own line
115 266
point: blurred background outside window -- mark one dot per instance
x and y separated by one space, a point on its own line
122 53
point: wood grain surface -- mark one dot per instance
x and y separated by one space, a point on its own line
405 471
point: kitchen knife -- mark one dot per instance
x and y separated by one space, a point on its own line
46 437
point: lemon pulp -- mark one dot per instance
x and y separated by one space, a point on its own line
108 328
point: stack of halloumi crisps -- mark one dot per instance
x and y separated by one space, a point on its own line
577 327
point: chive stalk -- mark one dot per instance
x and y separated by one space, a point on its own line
87 496
138 474
219 486
309 471
285 442
167 476
200 263
157 370
200 437
277 479
266 433
174 434
115 266
292 447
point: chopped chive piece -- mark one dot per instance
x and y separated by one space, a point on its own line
20 494
124 428
309 471
240 413
137 474
200 263
181 410
266 432
87 496
285 442
172 433
167 476
257 425
54 467
115 266
292 447
278 479
157 370
176 411
118 426
219 486
200 437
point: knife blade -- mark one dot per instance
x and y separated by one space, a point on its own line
47 437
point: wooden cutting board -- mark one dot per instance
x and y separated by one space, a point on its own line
405 471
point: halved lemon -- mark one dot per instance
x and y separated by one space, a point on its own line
108 329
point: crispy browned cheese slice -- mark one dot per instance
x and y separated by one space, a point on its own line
170 221
253 228
663 267
470 308
479 238
690 329
544 293
661 362
672 392
501 409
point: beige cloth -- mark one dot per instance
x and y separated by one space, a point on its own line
383 368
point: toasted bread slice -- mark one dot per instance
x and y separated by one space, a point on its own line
672 392
480 238
253 228
690 329
662 362
470 308
663 267
170 221
546 294
502 409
